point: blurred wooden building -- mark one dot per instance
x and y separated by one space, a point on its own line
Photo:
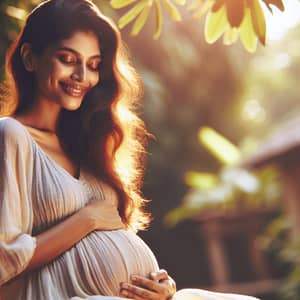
236 261
282 148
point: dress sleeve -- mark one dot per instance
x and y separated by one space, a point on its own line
16 217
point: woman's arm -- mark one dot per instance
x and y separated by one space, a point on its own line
96 215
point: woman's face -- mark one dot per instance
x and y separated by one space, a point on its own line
66 71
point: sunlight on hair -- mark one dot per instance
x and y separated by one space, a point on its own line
124 160
124 113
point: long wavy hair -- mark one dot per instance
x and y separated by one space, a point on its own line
105 135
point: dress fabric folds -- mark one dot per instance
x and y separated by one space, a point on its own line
35 194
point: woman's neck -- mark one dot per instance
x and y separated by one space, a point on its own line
43 116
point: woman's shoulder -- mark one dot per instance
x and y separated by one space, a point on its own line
11 130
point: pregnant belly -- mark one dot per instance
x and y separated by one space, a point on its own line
99 262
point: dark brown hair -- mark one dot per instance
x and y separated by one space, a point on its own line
105 135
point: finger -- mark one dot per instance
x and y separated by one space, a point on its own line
165 287
130 295
147 283
138 291
172 284
159 275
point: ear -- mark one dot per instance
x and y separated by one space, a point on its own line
28 57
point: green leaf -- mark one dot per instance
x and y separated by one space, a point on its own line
201 180
173 11
202 10
15 12
132 13
215 24
219 146
121 3
258 20
140 21
158 19
235 12
247 33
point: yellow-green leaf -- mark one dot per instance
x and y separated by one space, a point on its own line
258 21
215 24
158 19
173 11
140 20
121 3
203 9
195 4
230 36
180 2
132 13
247 33
201 180
219 146
16 12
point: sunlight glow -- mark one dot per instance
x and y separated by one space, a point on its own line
279 23
253 111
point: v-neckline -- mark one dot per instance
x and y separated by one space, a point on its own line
52 160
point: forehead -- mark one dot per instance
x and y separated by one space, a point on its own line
86 43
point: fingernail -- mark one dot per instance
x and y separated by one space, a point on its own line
133 277
124 293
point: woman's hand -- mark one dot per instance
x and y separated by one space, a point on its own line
101 215
159 286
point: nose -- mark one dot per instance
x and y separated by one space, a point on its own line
79 73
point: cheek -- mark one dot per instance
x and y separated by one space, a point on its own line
95 78
51 73
59 71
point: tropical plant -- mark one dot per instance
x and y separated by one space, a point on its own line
230 18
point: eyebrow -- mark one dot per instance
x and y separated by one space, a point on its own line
75 52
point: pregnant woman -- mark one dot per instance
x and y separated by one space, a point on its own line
70 149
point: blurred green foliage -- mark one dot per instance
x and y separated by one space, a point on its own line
277 241
232 186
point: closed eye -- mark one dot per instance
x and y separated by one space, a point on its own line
67 59
94 65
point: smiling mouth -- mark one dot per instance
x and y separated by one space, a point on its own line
73 90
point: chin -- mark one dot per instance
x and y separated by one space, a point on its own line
72 104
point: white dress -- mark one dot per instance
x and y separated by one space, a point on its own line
35 194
